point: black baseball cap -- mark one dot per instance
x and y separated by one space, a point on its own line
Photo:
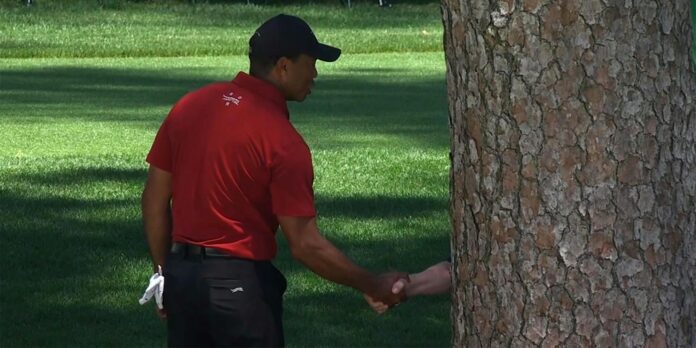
289 36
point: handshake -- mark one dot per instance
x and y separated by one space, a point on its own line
390 292
397 287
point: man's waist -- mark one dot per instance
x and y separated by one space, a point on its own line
243 243
186 249
233 267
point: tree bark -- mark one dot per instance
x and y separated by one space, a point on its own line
573 181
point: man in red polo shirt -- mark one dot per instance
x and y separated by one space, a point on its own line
226 169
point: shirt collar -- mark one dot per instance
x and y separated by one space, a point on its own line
262 88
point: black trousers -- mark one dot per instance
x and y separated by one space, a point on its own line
223 302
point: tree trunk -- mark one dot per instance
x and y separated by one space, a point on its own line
573 182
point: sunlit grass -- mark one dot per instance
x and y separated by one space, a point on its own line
72 142
88 29
74 132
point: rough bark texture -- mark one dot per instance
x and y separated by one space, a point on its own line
573 172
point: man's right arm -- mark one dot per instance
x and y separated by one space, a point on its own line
156 210
309 247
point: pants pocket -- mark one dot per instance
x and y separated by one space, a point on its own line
239 314
229 294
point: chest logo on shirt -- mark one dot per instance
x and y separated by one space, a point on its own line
230 98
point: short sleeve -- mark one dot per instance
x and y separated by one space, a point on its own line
292 177
160 154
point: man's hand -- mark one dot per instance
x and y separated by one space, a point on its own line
436 279
383 291
377 306
161 313
388 292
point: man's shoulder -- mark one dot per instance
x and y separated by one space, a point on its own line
211 88
203 93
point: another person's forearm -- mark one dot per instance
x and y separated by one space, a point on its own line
434 280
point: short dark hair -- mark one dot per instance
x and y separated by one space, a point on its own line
262 66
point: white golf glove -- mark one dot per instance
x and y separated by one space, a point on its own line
155 288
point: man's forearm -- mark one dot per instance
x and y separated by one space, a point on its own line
157 221
158 232
324 259
157 217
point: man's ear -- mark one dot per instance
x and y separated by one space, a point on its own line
279 71
282 64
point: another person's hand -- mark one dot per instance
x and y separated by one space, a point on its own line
395 282
399 286
436 279
383 288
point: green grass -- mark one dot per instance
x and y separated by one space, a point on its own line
86 29
74 132
73 136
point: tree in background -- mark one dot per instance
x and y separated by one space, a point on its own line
573 181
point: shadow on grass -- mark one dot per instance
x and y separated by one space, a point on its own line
74 267
96 87
378 207
343 107
343 319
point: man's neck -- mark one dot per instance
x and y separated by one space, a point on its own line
270 79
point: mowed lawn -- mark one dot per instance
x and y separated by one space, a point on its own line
74 132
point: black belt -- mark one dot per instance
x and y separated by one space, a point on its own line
190 249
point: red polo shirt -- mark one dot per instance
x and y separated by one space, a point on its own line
237 163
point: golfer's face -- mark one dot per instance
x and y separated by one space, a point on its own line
300 75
